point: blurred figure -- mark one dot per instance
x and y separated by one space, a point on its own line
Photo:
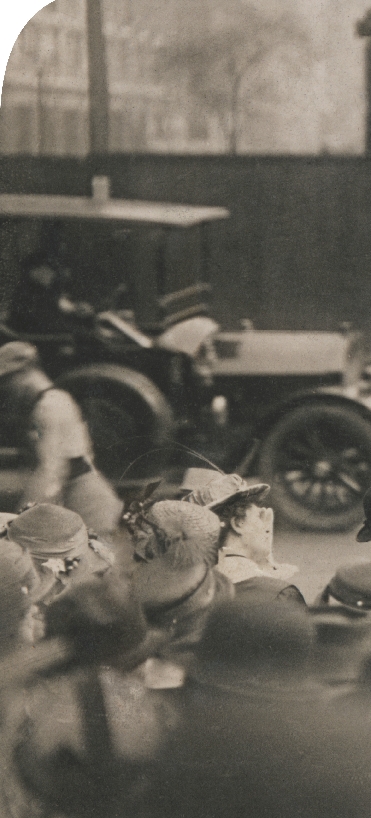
19 589
19 586
246 540
175 545
257 735
40 304
12 554
48 422
343 621
88 733
343 616
59 545
350 586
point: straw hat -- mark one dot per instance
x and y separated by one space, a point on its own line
226 487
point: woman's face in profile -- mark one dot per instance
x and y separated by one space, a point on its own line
256 531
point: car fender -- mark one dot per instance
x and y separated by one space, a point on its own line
336 395
134 382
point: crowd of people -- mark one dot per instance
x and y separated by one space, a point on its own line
156 660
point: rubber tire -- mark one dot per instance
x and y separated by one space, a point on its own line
150 416
281 500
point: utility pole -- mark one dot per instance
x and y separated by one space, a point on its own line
98 85
364 30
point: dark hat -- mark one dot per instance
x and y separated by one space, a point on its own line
224 488
364 534
104 622
351 585
243 639
17 356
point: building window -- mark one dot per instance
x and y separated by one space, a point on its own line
118 51
161 115
48 130
73 52
71 132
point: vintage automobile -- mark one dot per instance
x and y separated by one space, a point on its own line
290 407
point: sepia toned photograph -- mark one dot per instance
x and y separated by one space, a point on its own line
185 411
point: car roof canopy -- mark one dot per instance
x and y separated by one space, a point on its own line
93 207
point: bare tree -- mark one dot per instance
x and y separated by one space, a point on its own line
214 67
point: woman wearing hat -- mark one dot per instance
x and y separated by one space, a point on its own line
246 539
59 545
175 546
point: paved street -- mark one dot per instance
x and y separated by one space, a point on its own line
317 555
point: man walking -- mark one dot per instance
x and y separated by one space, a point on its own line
47 423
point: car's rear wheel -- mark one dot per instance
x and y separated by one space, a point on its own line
317 459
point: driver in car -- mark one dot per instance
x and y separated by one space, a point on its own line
40 303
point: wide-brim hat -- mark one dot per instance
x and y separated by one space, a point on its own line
225 488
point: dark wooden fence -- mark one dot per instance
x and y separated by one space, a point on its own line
295 253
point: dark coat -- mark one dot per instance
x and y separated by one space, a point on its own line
35 308
184 619
264 751
264 589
